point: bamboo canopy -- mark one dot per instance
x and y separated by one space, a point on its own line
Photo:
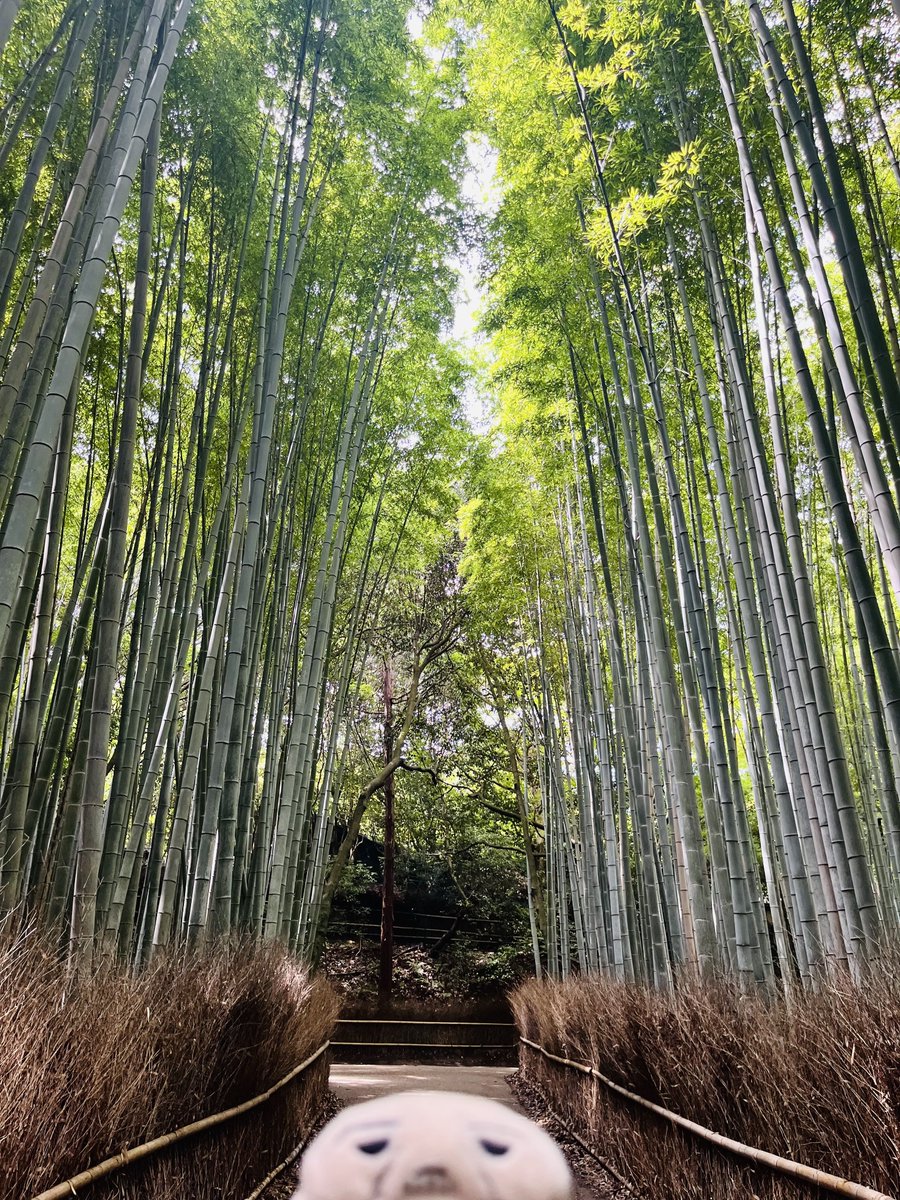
649 531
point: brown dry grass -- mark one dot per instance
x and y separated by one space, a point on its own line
88 1068
818 1082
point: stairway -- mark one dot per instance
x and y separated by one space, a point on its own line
395 1040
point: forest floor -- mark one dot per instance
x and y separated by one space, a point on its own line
353 1084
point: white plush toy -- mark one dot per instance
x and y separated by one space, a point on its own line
433 1146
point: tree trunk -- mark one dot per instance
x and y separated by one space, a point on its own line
386 952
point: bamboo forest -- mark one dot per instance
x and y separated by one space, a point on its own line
474 426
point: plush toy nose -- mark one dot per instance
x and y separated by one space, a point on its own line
430 1180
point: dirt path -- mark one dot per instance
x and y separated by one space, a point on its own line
356 1083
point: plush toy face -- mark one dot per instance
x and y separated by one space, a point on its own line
433 1146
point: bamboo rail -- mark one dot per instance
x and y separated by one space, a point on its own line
775 1162
146 1149
421 1046
588 1149
263 1187
415 1021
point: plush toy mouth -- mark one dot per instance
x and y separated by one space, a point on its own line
423 1191
431 1184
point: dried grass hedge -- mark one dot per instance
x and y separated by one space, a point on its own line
817 1081
89 1068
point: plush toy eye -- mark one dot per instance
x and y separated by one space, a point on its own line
495 1148
374 1147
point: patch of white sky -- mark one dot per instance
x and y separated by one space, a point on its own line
481 190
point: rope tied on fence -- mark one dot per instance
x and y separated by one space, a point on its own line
134 1153
775 1162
